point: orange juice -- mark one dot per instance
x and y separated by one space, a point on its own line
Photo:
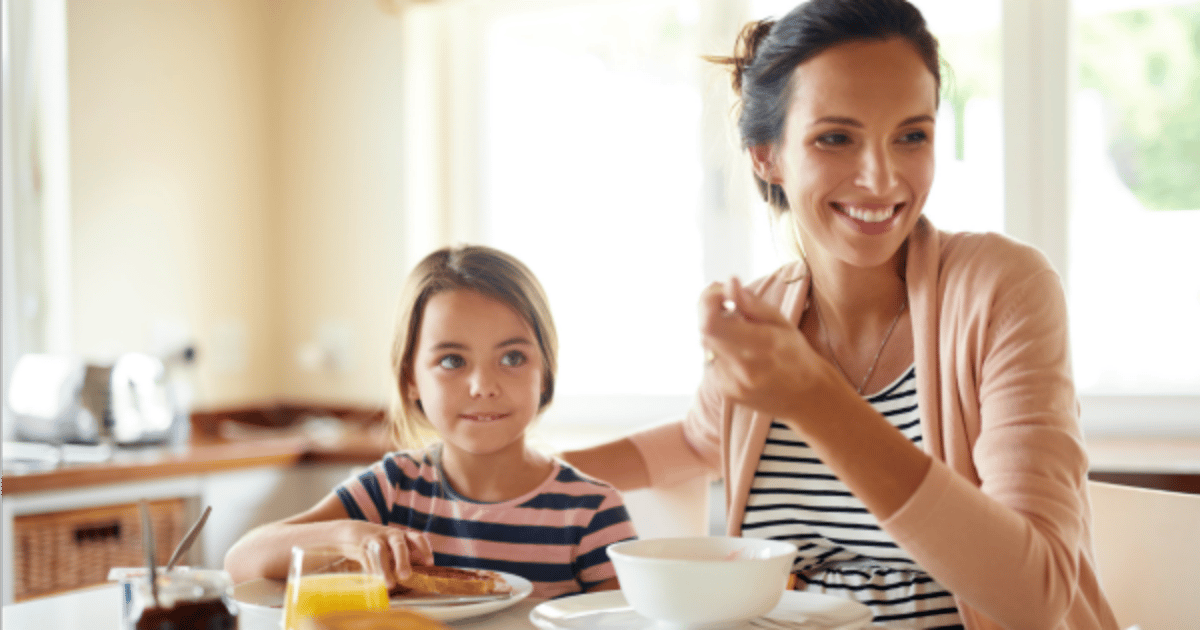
319 594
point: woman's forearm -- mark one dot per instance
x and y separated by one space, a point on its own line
875 461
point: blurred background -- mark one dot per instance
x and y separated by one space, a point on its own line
252 179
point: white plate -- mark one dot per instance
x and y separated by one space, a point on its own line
267 596
608 610
521 588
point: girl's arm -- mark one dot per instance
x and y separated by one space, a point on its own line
265 552
606 585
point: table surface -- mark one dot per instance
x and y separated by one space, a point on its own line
99 608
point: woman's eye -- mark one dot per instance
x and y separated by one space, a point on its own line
513 359
914 137
451 361
835 139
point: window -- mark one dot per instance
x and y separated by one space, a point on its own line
602 152
36 208
1134 268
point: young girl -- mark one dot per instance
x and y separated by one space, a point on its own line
474 360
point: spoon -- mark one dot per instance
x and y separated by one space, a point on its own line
148 547
188 539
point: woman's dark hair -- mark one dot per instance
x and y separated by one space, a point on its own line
767 52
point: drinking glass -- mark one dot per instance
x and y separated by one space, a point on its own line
326 578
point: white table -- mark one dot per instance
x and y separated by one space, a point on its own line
99 608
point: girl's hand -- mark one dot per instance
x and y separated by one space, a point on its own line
399 548
758 358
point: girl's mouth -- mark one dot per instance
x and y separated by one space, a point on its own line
869 219
484 417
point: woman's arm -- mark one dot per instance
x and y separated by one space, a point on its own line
266 551
763 361
619 463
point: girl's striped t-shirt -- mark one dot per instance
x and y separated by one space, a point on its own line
843 552
555 536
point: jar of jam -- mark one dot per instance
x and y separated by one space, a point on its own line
196 599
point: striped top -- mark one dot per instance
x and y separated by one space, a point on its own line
843 552
555 536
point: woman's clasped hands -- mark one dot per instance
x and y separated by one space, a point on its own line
759 358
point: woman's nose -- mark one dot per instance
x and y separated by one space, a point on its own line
876 171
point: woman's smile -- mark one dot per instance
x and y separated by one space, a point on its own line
870 219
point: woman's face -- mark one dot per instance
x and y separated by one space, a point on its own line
856 157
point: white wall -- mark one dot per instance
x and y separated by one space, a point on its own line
236 178
341 197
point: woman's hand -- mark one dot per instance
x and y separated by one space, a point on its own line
758 358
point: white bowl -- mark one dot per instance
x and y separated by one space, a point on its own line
701 581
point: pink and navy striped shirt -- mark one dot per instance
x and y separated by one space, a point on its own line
555 536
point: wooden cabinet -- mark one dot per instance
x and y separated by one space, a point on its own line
59 551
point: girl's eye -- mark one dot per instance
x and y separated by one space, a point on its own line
513 358
451 361
833 139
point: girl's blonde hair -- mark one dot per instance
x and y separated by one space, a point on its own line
491 273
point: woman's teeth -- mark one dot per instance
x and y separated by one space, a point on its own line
869 216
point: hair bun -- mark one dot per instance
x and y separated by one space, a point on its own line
744 50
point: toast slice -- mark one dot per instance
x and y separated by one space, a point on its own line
429 580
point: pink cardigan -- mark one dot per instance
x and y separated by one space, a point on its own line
1002 519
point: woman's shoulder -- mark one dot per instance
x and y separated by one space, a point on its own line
988 258
774 287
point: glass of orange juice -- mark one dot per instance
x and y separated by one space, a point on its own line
326 578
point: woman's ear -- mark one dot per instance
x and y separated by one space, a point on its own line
763 158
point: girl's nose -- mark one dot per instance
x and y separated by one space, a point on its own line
876 171
484 383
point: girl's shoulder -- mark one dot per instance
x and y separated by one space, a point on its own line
567 475
411 462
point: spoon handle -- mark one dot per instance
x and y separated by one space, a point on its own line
148 547
188 539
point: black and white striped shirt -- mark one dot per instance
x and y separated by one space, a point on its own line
843 552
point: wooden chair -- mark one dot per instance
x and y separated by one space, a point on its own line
1148 554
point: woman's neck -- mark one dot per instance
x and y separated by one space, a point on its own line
857 302
495 477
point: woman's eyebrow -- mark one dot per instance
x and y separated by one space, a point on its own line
852 122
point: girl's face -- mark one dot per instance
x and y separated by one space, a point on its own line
477 371
856 157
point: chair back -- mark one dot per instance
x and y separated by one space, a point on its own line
1148 555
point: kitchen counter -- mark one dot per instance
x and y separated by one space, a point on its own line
1165 462
238 448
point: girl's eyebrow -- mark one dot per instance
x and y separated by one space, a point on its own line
515 341
454 345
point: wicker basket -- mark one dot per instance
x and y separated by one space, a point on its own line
61 551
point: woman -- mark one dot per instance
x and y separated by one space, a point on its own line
899 402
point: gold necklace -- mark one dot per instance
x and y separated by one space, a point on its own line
878 353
